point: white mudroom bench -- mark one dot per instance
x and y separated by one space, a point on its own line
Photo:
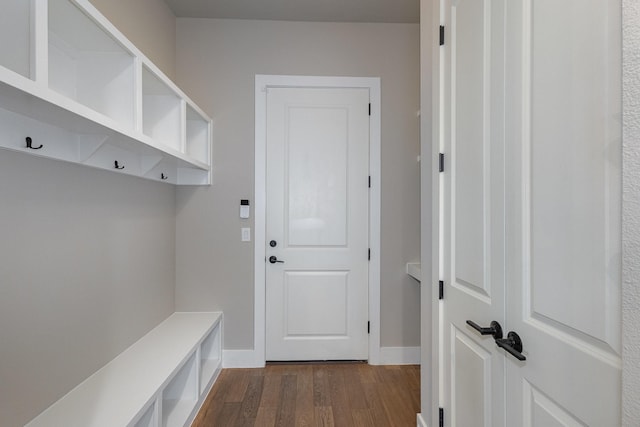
159 381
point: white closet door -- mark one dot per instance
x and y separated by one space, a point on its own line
317 224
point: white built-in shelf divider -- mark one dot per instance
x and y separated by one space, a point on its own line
162 380
83 93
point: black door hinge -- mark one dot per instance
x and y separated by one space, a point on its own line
441 289
441 412
369 108
441 162
369 254
368 327
369 181
441 35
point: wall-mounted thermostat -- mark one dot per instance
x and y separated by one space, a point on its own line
244 208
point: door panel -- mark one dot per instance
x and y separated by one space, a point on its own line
315 304
575 165
563 216
317 216
471 376
540 411
469 131
317 175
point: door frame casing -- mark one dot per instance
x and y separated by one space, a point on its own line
262 82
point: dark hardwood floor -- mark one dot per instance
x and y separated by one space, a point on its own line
319 394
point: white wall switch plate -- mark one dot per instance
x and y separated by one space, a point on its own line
246 234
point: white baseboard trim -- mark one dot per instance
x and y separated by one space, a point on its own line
421 422
388 356
240 359
399 355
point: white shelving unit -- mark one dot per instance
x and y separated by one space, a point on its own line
157 382
83 93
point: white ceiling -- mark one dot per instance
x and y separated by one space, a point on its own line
301 10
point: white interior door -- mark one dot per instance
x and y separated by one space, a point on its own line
531 220
317 224
473 213
563 225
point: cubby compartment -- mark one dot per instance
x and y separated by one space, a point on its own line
165 171
45 140
88 65
149 418
15 33
114 155
197 136
210 360
193 176
179 398
161 112
29 135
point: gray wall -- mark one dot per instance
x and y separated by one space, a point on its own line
149 24
88 267
87 263
217 61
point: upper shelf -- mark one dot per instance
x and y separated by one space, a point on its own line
74 85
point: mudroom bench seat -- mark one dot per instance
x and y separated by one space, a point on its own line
159 381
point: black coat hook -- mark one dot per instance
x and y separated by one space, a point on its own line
118 166
30 141
163 176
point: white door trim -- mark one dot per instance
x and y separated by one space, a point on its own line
261 83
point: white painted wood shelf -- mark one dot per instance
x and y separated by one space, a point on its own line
160 381
83 93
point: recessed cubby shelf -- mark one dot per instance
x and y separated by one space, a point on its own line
157 382
180 396
89 66
71 82
197 135
210 357
162 112
148 419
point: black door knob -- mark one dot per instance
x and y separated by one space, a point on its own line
273 259
494 329
513 344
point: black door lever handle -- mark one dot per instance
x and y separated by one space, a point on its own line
494 329
513 344
273 259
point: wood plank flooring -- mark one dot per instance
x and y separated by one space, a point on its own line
319 394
